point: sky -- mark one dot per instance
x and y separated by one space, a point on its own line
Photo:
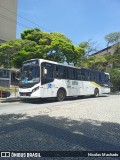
79 20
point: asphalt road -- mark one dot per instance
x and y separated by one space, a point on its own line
27 105
91 124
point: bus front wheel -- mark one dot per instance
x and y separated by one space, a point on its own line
60 95
96 92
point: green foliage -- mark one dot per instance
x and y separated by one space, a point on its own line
38 44
112 38
79 55
89 47
94 62
13 53
115 78
30 34
62 48
55 46
113 60
7 51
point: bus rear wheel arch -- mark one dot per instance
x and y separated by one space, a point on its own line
61 94
96 92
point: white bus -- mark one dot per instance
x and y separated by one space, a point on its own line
43 79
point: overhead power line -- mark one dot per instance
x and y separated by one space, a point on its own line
12 20
24 18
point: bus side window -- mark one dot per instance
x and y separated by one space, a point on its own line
70 73
75 72
79 75
94 76
57 72
83 75
86 75
103 78
61 72
64 73
100 78
48 71
89 76
97 77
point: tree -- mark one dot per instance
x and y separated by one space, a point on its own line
55 46
26 53
113 60
31 34
15 52
94 62
113 39
115 79
7 51
89 47
38 44
79 55
61 50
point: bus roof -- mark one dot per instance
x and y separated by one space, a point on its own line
49 61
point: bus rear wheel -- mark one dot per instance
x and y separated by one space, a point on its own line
96 92
60 95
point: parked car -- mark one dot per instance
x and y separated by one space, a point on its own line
4 93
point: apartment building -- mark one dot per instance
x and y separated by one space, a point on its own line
8 17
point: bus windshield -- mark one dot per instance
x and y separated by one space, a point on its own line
30 73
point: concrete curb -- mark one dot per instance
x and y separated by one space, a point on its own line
112 93
9 99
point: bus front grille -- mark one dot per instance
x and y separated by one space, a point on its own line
25 94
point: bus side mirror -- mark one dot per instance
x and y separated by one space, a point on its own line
17 75
45 71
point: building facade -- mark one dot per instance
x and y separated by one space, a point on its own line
7 77
8 23
108 50
8 19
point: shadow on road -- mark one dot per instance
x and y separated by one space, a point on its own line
19 132
53 100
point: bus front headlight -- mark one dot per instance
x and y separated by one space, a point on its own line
35 89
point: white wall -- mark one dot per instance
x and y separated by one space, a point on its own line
7 27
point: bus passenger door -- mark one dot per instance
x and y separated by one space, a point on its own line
80 87
47 79
72 87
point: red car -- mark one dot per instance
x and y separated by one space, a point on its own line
4 93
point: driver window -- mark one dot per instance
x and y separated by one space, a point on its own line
48 71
